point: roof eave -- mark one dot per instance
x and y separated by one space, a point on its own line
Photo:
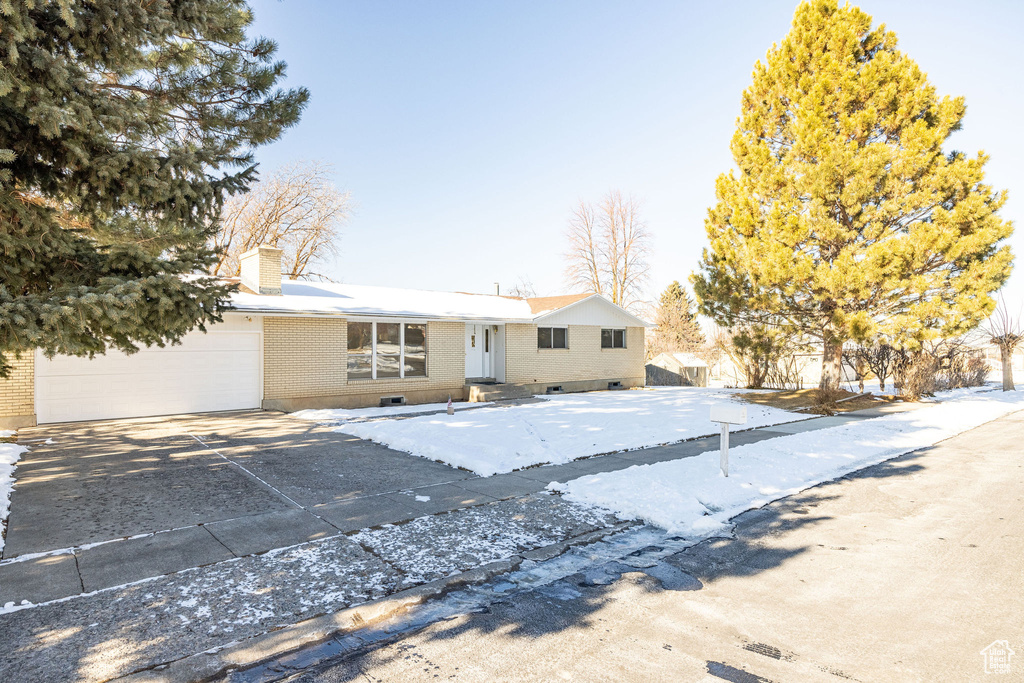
642 323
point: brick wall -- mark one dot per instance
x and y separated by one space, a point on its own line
303 357
17 394
583 360
305 365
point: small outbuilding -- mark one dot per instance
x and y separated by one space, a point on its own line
677 370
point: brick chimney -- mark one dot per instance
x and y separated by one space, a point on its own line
261 269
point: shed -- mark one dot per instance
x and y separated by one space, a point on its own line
677 369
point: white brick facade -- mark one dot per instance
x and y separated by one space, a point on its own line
584 360
305 365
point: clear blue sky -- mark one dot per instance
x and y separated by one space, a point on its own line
467 131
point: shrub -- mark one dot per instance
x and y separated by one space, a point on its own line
915 374
825 401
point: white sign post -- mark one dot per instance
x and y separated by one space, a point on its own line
727 414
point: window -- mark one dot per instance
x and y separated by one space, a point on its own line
389 350
552 338
415 363
360 350
386 350
613 339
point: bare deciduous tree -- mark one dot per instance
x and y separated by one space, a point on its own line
879 359
608 249
1004 330
297 209
523 288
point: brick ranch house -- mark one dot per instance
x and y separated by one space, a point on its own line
291 345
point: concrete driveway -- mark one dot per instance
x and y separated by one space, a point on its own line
163 494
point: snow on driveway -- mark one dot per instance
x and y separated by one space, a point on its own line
506 438
691 498
10 453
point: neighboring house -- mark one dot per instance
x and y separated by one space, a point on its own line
677 369
292 345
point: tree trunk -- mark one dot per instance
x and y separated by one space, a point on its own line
1006 356
831 364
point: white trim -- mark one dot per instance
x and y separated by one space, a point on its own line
547 314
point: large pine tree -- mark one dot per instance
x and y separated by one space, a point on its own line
847 219
122 126
676 323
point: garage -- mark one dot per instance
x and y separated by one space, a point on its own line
218 370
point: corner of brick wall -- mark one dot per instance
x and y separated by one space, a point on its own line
17 393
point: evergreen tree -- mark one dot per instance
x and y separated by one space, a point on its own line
677 327
847 219
122 127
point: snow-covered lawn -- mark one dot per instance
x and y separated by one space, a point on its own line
506 438
690 497
346 415
10 453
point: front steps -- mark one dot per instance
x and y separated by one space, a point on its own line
478 392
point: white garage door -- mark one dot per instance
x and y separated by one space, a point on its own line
219 370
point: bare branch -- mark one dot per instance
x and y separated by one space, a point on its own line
608 250
297 209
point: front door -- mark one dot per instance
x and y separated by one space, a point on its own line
479 345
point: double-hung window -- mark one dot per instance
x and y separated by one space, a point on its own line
552 338
386 350
613 339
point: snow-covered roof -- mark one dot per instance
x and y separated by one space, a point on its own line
299 297
689 360
686 360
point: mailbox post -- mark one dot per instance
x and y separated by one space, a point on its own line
726 414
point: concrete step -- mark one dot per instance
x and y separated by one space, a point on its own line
478 393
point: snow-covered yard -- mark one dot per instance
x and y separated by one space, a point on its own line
506 438
10 453
690 497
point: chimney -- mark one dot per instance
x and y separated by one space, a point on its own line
261 269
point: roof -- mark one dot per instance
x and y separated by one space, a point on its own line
544 304
686 360
328 298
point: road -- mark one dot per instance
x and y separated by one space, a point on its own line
904 571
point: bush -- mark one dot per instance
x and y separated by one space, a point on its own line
961 371
825 401
944 365
915 375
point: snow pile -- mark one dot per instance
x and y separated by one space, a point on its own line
690 497
502 439
10 453
345 415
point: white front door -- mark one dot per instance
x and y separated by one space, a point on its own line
479 349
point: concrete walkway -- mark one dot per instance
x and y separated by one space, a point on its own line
110 503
